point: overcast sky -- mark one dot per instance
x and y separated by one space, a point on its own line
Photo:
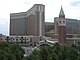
52 8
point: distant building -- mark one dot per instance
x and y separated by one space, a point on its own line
28 23
73 26
27 41
2 37
49 26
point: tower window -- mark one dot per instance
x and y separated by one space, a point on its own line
63 21
59 21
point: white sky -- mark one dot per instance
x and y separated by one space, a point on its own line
52 8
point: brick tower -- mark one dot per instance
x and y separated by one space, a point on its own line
62 27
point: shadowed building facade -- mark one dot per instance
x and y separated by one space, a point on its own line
28 23
49 26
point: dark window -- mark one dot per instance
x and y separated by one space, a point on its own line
21 38
30 44
25 37
30 40
59 21
34 44
40 39
63 21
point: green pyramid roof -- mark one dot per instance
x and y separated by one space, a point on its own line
61 12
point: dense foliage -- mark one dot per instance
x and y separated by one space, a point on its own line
10 52
43 52
55 52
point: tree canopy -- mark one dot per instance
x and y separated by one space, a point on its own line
10 52
55 52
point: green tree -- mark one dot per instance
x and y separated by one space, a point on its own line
10 52
55 52
78 57
72 53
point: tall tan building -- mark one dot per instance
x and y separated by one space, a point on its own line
28 23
